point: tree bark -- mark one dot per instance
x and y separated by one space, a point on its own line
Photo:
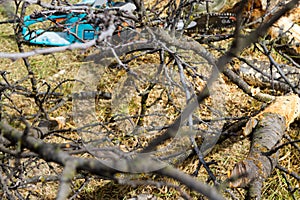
267 130
258 166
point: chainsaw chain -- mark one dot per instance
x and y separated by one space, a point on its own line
207 22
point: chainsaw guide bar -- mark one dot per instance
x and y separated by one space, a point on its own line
211 21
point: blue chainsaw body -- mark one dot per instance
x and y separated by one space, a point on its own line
75 29
73 25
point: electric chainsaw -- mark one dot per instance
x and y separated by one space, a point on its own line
66 27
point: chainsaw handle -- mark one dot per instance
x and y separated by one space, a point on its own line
28 20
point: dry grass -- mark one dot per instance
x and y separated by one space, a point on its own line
48 68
